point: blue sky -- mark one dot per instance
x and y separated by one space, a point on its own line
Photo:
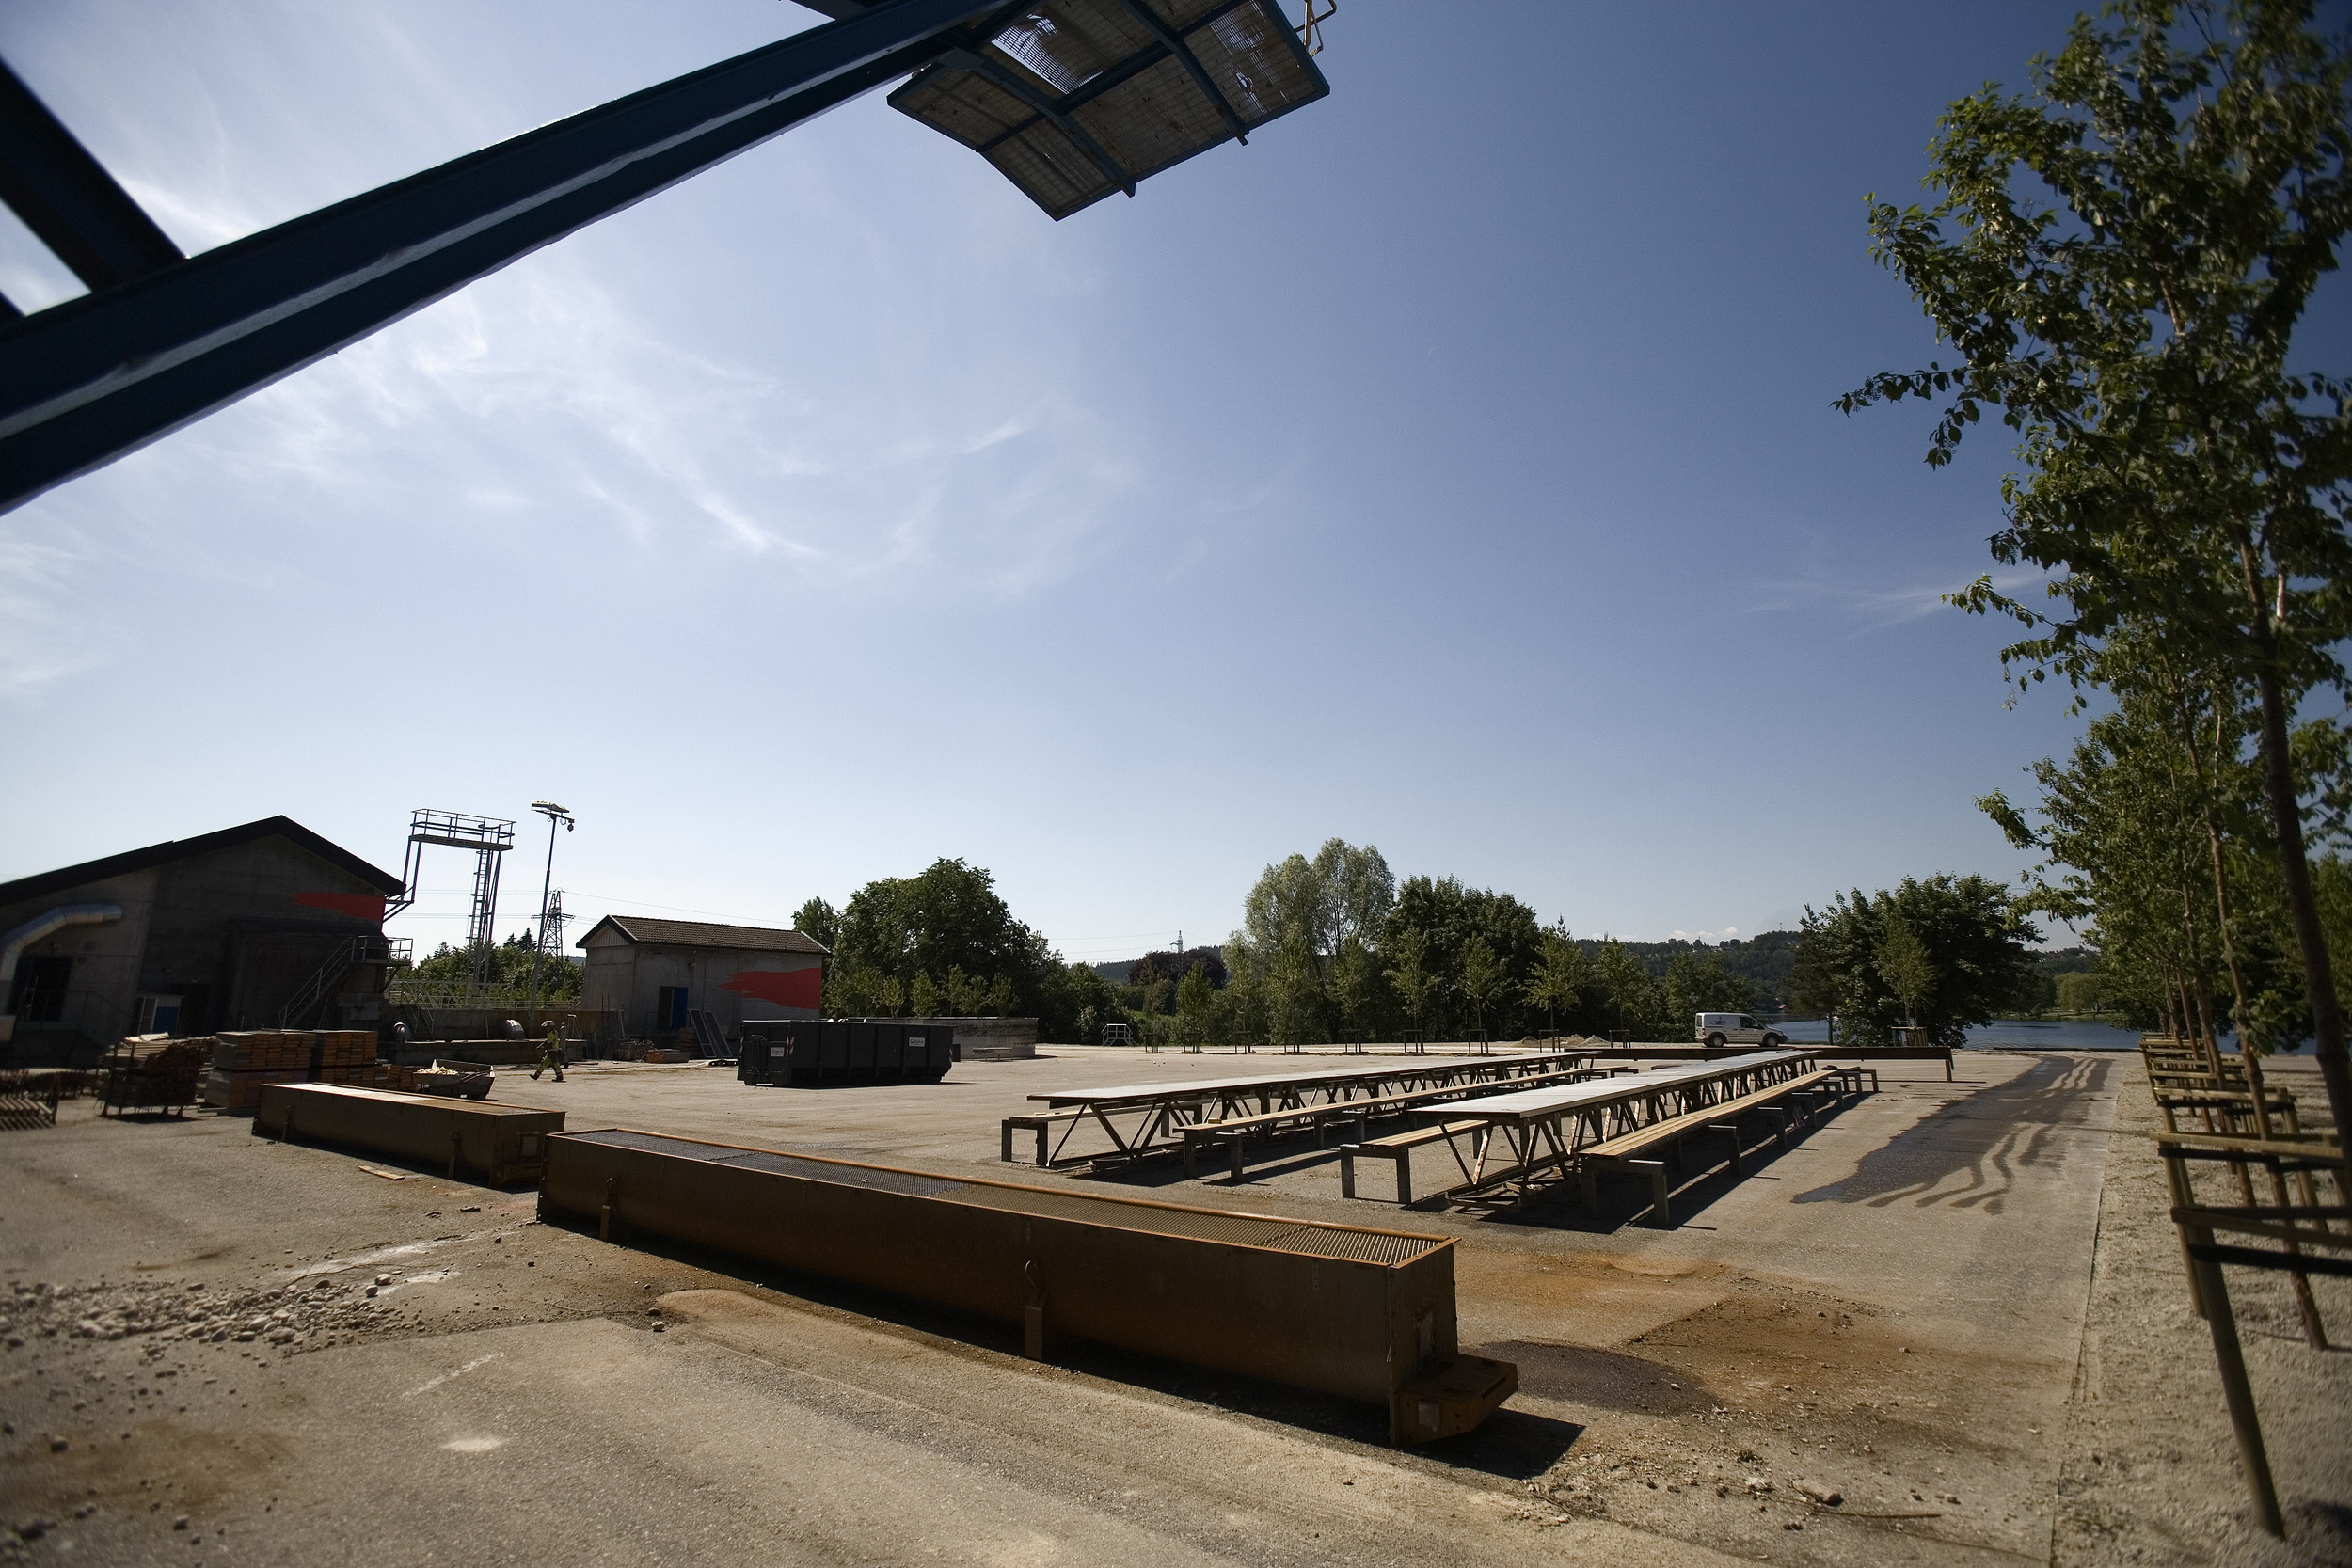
1453 470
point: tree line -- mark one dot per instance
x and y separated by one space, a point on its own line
2118 262
1332 948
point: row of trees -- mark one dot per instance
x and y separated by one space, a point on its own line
508 966
1332 947
2120 261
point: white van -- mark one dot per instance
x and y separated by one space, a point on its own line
1736 1029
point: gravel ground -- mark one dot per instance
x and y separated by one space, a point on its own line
1947 1324
2151 1473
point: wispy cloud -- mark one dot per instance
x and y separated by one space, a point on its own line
1861 608
41 640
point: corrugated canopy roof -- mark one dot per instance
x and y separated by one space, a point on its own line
1075 99
702 933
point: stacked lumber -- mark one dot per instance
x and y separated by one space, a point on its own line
262 1050
152 1072
245 1059
345 1048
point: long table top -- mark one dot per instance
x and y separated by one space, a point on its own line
1392 1066
1542 1104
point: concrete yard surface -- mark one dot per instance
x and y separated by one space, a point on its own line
223 1349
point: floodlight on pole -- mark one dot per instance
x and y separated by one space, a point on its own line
554 813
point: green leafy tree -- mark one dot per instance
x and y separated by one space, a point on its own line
1415 985
819 920
1630 994
2083 992
1195 997
1447 915
1355 984
922 996
2136 329
1978 942
1904 963
1561 974
1483 976
1299 917
1697 982
507 966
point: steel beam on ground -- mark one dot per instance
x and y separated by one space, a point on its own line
87 380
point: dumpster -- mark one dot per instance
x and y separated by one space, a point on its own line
497 1143
1363 1314
805 1053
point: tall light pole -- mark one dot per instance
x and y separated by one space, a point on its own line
554 813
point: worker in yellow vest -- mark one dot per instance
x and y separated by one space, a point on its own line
551 1053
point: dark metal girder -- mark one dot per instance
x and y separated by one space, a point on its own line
87 380
67 198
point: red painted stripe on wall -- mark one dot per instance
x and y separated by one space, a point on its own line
360 905
791 988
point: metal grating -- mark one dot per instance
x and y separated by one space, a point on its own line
1242 1230
876 1178
1361 1246
1074 99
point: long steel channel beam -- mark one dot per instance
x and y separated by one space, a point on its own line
92 379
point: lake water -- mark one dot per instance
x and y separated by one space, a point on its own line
2027 1034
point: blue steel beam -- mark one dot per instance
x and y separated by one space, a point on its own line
87 380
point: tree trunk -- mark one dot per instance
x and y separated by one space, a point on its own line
2319 974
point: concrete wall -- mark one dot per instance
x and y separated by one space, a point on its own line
627 977
1008 1037
102 985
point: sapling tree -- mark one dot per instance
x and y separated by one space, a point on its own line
2120 261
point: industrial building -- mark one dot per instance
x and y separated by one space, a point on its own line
262 926
656 973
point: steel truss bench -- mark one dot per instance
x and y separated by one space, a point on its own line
1397 1149
1235 1133
1040 1122
1621 1152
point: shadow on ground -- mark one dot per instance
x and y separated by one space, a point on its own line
1966 1153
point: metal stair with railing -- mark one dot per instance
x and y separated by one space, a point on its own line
367 949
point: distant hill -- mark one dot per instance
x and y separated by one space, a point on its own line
1765 958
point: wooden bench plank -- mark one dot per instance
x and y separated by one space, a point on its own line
1619 1151
1235 1133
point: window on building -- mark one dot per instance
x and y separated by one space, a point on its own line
39 995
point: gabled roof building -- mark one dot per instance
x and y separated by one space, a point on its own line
235 930
655 973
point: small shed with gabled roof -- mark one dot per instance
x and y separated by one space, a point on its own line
654 973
